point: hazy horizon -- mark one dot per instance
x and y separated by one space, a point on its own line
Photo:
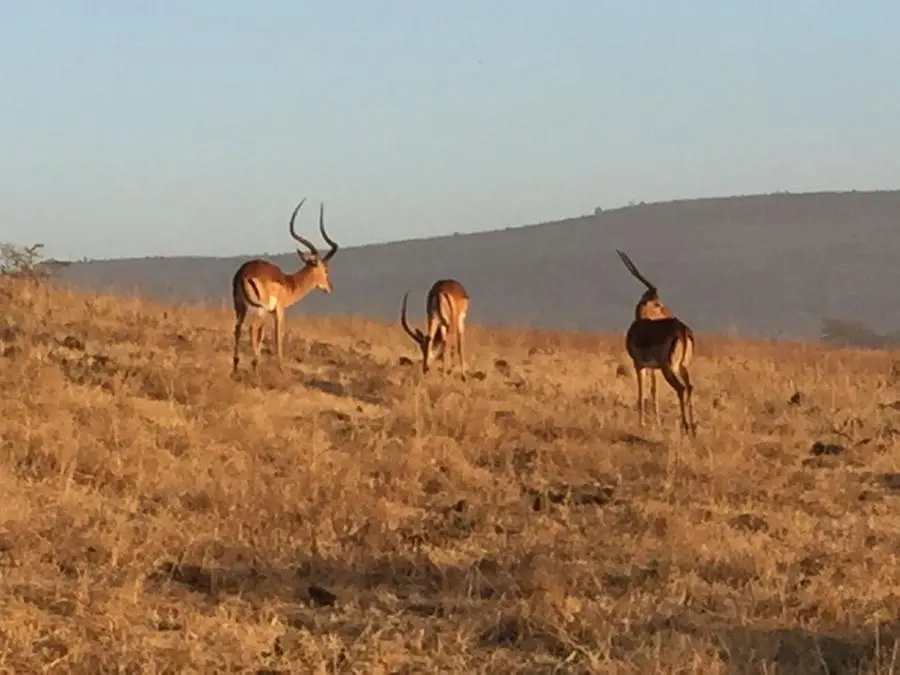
288 244
147 130
767 265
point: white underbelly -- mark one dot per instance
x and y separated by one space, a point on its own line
266 306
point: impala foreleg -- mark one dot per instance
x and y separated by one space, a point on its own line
688 393
279 334
434 331
255 329
639 374
240 313
446 349
460 340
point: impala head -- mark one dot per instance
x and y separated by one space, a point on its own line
316 263
418 336
650 306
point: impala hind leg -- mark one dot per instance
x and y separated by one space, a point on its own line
460 339
681 389
240 313
654 403
445 352
688 395
639 374
256 335
279 336
434 329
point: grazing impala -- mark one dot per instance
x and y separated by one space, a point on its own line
658 340
260 287
446 307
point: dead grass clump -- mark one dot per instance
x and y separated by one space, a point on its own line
348 514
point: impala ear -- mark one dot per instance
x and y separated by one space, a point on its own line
309 259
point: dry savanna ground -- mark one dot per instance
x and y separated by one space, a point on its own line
348 515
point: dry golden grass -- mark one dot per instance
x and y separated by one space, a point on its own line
160 516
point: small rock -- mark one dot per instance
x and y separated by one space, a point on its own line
749 522
9 332
811 565
592 494
820 462
796 399
321 349
321 596
545 351
338 415
518 384
12 351
819 448
891 481
72 342
581 495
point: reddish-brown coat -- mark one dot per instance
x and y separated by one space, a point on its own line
260 287
446 307
658 340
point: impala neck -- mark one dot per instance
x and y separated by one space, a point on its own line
651 308
300 282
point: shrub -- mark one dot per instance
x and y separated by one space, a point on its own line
22 261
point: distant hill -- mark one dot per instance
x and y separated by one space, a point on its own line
767 265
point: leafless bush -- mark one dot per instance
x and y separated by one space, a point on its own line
22 261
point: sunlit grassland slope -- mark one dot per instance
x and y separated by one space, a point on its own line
350 515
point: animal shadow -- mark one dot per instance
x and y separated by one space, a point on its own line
797 650
637 441
372 389
318 582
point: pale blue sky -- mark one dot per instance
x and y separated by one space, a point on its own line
134 128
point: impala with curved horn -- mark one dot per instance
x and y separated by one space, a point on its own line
658 340
446 307
260 287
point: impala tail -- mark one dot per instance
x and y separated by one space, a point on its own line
246 289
